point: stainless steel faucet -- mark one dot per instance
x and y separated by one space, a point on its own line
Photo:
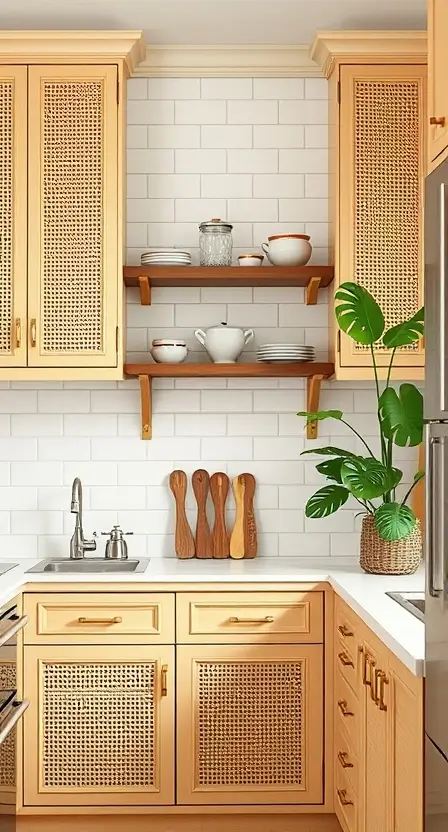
78 545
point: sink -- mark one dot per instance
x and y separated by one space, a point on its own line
90 566
5 567
413 602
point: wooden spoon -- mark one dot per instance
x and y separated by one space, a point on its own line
249 525
237 536
201 483
219 488
184 540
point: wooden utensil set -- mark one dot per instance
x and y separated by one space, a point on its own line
215 543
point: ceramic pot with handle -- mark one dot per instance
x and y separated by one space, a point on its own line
223 343
288 249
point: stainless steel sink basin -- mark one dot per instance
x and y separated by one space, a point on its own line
5 567
413 602
90 565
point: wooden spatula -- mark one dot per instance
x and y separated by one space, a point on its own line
219 488
201 483
243 540
184 540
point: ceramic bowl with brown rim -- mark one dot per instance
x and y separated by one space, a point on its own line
288 249
250 259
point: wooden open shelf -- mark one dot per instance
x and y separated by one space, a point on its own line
312 278
314 372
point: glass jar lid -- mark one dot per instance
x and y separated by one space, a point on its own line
216 226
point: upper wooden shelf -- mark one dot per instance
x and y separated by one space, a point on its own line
312 278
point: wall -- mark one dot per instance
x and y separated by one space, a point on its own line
254 152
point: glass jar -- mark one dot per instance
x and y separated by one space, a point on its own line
215 243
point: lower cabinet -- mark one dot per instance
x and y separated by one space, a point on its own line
250 724
100 727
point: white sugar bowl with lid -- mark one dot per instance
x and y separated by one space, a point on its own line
288 249
223 343
215 243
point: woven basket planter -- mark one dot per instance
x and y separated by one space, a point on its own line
389 557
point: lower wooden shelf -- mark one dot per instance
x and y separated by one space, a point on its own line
314 372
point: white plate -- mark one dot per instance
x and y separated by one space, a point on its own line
163 263
283 352
294 346
170 259
157 251
282 360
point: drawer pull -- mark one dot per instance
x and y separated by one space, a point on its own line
344 631
367 663
116 620
33 332
342 705
342 795
164 685
268 619
440 122
342 757
18 333
345 660
380 677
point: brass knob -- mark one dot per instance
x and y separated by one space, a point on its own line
440 122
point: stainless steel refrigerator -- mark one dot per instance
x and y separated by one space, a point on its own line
436 438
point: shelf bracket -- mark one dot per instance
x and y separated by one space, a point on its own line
312 291
145 290
312 403
146 406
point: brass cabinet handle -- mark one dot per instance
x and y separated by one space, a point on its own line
368 662
342 705
345 660
164 684
33 332
116 620
440 122
342 795
342 757
344 631
380 677
268 619
18 323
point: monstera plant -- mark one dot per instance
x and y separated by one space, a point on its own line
370 480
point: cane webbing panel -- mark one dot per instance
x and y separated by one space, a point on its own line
6 217
72 204
387 196
98 726
8 748
249 724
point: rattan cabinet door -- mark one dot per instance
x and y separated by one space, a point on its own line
100 727
437 75
73 216
250 724
13 216
381 176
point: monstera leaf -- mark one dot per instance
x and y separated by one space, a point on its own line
402 415
326 501
331 469
406 333
320 415
394 521
366 478
358 314
330 450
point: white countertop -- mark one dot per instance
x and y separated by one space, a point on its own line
365 594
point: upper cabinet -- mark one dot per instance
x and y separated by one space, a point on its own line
377 117
437 85
61 161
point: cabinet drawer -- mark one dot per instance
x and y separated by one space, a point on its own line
236 618
347 712
344 755
346 801
346 663
346 624
133 618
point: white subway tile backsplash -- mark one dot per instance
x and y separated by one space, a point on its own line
137 232
303 161
244 314
200 112
144 473
173 88
277 401
200 316
201 161
199 424
136 136
196 210
36 522
303 112
301 210
176 185
279 135
117 448
230 401
18 498
14 448
90 424
115 401
63 401
36 473
224 88
225 185
231 447
252 112
252 161
137 88
277 448
316 88
18 401
173 234
316 135
150 161
276 185
252 424
256 210
63 448
226 136
142 211
275 88
175 136
177 401
150 112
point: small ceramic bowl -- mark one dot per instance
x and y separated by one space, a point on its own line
250 259
169 353
288 249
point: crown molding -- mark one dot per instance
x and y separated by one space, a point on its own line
227 61
352 47
76 46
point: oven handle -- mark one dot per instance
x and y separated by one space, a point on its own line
13 629
17 712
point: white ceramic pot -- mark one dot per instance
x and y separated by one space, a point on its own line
250 260
164 352
288 249
223 343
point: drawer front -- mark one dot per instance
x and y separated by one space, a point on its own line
121 618
237 618
347 659
344 755
348 711
346 801
346 623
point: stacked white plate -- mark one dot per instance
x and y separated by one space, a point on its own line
284 353
166 257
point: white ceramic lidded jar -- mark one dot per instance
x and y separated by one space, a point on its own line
223 343
215 243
